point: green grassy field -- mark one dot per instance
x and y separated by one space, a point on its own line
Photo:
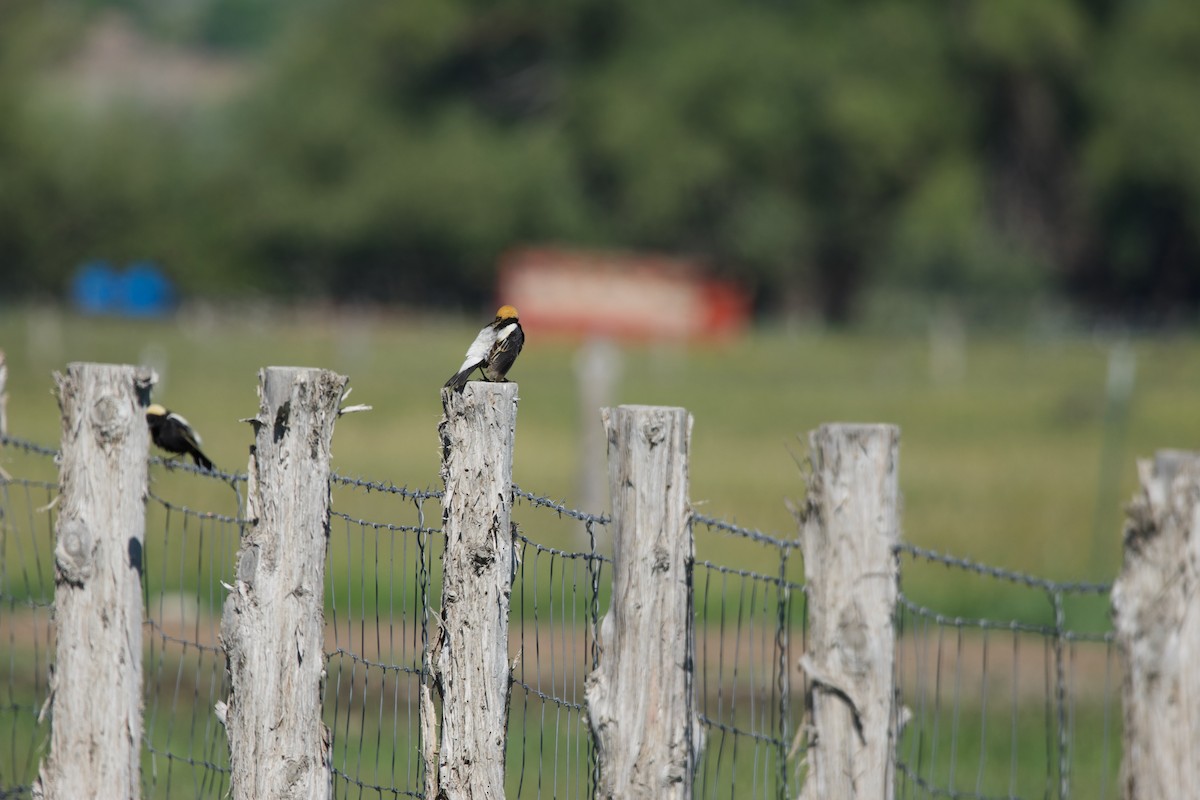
1004 463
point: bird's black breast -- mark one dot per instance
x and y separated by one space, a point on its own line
504 353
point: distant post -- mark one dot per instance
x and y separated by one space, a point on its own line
470 656
1156 613
849 528
597 371
96 687
641 699
273 625
3 395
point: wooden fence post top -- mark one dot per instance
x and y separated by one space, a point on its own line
636 407
277 382
1156 621
277 387
641 698
849 527
627 414
477 388
1168 464
853 432
469 656
633 408
96 736
272 625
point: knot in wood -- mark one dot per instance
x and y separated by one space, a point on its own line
74 553
482 557
854 645
654 431
661 559
247 569
109 418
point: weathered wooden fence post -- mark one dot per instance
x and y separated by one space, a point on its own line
273 625
470 656
850 525
1156 613
96 706
641 701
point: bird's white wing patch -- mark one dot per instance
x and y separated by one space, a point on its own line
178 418
503 334
479 348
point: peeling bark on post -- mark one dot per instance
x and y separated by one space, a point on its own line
273 624
849 529
470 655
1156 613
641 702
96 686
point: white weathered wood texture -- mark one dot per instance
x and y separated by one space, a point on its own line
1156 613
470 657
96 686
273 624
641 699
850 525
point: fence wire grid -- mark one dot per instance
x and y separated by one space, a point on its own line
989 708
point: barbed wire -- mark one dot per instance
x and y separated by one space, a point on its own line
391 527
28 446
1014 625
386 487
177 464
747 573
747 533
999 573
192 512
543 548
559 506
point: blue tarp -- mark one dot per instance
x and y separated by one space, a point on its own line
141 290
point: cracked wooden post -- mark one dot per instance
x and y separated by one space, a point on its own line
1156 614
849 528
96 685
273 625
469 658
641 699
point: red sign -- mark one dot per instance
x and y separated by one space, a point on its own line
622 295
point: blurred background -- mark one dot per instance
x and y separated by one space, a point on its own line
831 156
978 220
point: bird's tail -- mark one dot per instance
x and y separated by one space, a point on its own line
459 381
202 461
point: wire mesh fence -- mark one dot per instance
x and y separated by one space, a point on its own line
992 708
1006 708
749 636
189 554
380 579
28 488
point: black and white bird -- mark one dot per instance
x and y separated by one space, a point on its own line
172 433
493 351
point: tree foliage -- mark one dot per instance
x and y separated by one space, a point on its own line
815 150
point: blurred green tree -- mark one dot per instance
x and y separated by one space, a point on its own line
815 150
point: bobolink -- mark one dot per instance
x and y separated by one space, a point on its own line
172 433
493 351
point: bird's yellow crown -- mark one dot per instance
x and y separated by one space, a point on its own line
156 410
506 312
